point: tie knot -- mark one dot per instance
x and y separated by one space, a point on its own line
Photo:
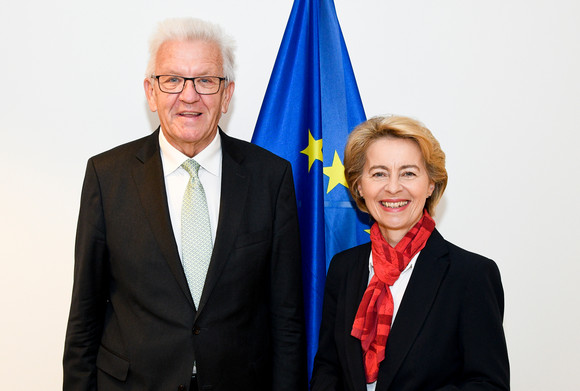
191 166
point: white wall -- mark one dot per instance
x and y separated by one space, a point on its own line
497 81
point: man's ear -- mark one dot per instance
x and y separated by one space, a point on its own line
229 92
150 93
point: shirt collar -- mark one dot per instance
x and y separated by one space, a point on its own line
209 159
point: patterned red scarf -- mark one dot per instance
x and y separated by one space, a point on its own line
375 312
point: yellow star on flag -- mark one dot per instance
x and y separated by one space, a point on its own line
335 173
313 150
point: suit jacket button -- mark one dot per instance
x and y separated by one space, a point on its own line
196 331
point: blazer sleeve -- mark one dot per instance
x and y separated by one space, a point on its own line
89 295
289 371
485 365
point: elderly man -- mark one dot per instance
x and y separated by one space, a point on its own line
187 260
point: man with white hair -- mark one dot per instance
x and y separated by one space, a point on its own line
187 258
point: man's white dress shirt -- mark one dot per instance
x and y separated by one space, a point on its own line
176 178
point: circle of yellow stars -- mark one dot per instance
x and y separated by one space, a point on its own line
335 172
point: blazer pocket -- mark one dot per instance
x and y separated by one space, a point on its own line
112 364
251 238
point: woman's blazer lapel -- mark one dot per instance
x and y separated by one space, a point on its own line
430 269
356 286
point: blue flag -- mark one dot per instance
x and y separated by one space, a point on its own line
311 105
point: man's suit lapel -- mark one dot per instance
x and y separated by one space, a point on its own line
234 191
150 182
430 269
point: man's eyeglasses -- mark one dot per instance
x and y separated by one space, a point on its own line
203 85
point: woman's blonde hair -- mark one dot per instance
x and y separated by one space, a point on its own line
366 133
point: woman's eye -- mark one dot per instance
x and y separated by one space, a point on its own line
409 174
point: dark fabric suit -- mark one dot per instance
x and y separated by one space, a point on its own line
133 324
447 333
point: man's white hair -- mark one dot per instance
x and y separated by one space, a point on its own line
192 29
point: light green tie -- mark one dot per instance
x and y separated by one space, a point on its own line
196 242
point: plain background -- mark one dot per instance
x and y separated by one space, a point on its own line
497 81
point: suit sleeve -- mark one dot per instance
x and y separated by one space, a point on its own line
486 365
286 304
326 374
89 294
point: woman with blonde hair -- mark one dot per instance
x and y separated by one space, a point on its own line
408 311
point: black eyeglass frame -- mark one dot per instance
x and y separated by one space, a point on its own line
185 79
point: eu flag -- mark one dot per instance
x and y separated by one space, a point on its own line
311 104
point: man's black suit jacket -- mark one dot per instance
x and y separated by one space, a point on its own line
133 324
447 334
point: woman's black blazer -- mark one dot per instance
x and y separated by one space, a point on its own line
447 334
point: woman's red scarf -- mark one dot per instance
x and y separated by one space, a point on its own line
375 312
